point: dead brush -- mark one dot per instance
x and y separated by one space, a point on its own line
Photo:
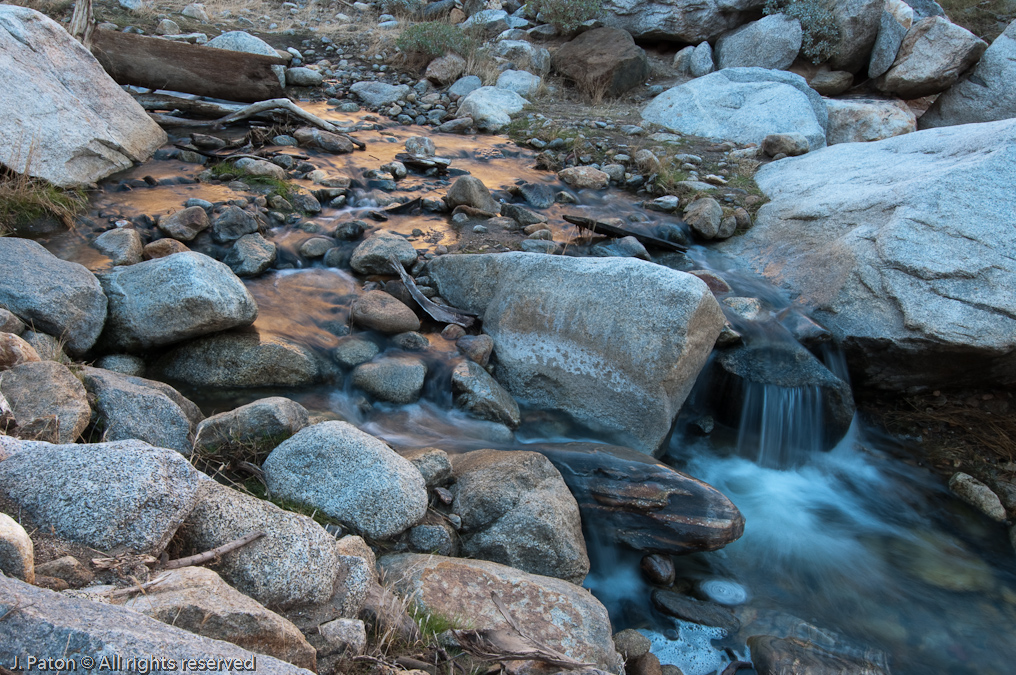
993 435
24 199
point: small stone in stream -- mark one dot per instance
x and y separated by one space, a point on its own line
396 379
191 157
372 255
695 611
704 216
565 198
481 396
476 348
534 228
17 553
542 233
353 350
631 644
432 463
325 140
452 332
306 203
584 178
68 569
459 125
398 290
728 226
790 145
770 654
666 204
348 107
231 224
350 230
658 569
728 337
471 191
380 311
285 139
344 636
396 169
978 495
185 224
250 255
522 215
704 425
411 341
315 247
420 146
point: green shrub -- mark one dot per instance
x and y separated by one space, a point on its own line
432 39
566 14
820 32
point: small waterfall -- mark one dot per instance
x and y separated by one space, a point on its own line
780 426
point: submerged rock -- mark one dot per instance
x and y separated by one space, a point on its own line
616 342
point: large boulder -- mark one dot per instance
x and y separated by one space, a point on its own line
166 300
491 108
986 95
122 493
629 499
295 563
517 510
59 297
617 343
350 476
743 105
688 21
771 42
900 245
197 600
932 57
603 60
133 407
887 45
38 389
240 359
855 120
554 612
40 621
62 117
857 22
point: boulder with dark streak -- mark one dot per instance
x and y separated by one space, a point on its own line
629 498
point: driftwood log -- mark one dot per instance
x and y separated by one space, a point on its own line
177 66
634 500
610 230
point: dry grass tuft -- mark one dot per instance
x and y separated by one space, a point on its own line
24 199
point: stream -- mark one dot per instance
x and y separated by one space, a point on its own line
851 548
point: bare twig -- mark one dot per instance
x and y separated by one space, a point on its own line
138 588
439 312
214 553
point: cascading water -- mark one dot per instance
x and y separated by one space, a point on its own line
777 422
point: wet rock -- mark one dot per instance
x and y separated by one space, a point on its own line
420 146
695 611
316 138
978 495
350 476
380 311
537 195
65 119
538 352
432 463
491 108
931 59
348 636
411 341
862 120
240 359
742 372
396 379
377 94
17 553
37 389
898 220
603 60
986 94
197 600
686 21
121 246
625 247
739 104
658 569
635 501
185 224
522 215
133 407
444 70
251 255
123 493
260 168
772 656
240 41
46 622
353 350
476 348
480 394
257 426
59 297
704 216
771 42
296 562
584 178
631 644
351 230
161 248
315 247
67 569
15 351
145 301
472 192
231 224
517 510
371 256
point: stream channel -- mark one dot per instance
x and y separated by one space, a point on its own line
850 548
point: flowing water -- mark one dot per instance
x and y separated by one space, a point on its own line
852 548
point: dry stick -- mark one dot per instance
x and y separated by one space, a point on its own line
254 109
214 553
139 588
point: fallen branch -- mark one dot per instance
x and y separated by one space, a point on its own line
608 230
140 588
214 553
438 312
207 109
